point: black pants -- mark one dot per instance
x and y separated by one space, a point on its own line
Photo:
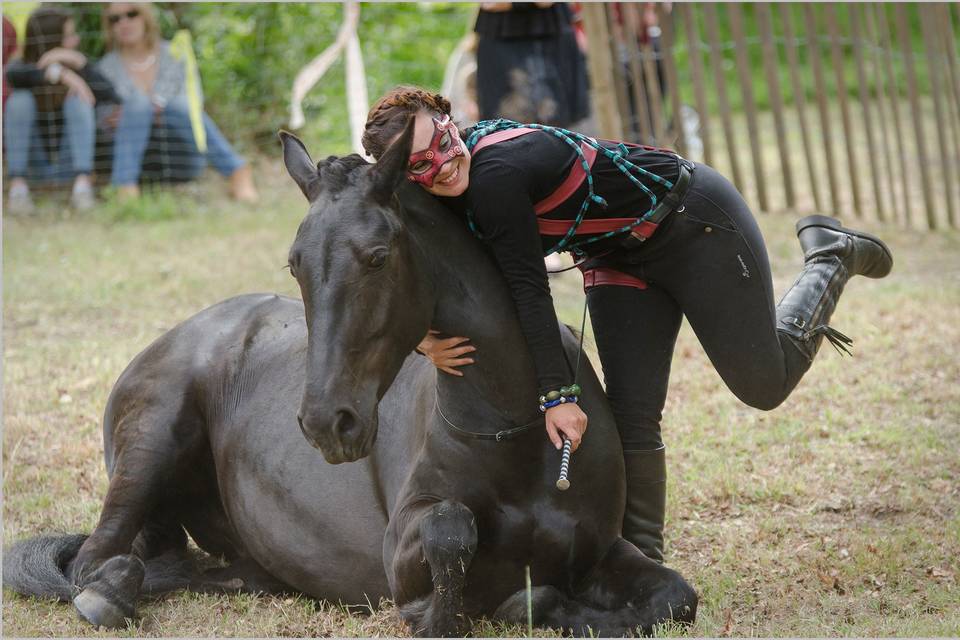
708 262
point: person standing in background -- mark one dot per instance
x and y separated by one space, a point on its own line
529 65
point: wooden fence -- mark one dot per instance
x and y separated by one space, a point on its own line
849 109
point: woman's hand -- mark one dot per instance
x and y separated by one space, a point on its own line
566 421
76 86
67 57
496 7
446 353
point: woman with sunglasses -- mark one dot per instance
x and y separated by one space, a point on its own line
48 126
663 239
155 113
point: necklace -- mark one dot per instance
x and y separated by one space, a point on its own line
144 64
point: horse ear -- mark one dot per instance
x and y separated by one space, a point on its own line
300 165
390 171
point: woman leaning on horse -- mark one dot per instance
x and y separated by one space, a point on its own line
661 238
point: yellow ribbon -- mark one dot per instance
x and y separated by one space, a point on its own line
18 13
181 48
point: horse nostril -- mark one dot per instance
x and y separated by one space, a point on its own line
345 425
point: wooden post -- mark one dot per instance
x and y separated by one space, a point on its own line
667 43
771 67
699 80
900 12
836 55
617 38
790 46
886 47
856 34
880 93
746 87
649 63
826 133
601 63
934 73
948 50
641 112
713 34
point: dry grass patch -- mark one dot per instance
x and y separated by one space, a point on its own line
835 514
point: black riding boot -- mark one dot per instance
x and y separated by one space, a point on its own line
646 501
832 255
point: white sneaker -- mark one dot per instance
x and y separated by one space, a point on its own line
19 201
82 198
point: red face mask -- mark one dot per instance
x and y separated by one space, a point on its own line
445 145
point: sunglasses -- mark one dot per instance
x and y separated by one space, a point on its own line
117 17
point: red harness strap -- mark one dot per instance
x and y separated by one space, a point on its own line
598 276
566 189
601 276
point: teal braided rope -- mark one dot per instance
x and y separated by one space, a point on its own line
575 140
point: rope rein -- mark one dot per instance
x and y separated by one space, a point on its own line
574 139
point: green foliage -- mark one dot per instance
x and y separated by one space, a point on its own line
153 205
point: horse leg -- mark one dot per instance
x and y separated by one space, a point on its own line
625 592
150 442
445 534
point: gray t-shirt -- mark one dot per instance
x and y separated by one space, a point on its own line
170 83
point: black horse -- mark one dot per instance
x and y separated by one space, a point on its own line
434 510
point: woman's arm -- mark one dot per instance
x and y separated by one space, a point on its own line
25 75
504 213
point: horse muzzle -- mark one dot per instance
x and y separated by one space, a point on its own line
339 433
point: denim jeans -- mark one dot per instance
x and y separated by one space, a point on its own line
177 148
25 147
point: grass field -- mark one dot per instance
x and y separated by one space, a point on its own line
834 515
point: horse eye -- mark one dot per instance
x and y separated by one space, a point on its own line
292 271
378 257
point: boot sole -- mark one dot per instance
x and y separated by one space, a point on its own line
834 224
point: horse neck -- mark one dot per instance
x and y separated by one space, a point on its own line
499 390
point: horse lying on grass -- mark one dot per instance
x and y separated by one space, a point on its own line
435 510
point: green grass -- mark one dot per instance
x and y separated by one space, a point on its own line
835 514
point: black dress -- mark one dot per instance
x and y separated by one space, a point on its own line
529 67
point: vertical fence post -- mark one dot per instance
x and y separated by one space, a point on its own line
945 46
825 128
667 43
880 93
934 73
836 55
799 98
649 64
746 88
857 35
716 59
601 64
886 48
619 38
641 112
903 30
699 80
771 66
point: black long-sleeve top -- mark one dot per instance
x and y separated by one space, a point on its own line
506 180
26 75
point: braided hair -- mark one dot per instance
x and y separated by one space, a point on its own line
389 115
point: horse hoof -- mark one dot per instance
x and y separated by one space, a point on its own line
98 611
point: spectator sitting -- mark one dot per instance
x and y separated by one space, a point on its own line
153 88
49 117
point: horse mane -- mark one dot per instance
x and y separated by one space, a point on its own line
337 172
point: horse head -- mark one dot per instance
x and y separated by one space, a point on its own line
366 300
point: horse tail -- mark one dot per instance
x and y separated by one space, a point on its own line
37 566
